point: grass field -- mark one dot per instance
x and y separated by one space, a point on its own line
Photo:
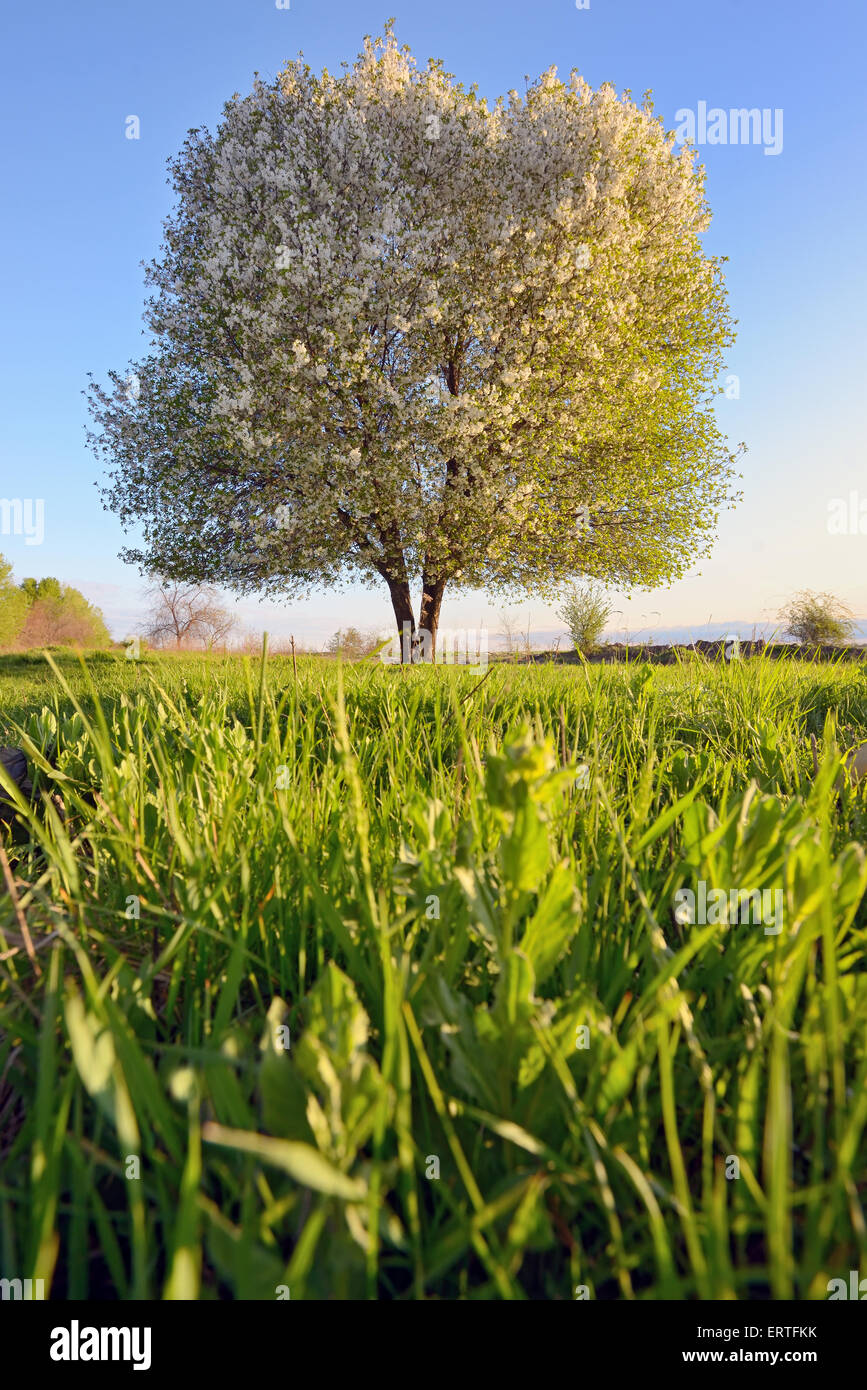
369 984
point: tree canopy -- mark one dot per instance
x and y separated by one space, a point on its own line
400 334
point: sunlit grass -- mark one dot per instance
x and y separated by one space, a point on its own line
403 870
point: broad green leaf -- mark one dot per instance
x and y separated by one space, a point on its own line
302 1162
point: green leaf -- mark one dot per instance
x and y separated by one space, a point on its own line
553 924
619 1074
302 1162
283 1093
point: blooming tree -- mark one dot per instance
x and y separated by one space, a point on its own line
399 334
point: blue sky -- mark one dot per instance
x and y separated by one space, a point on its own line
84 207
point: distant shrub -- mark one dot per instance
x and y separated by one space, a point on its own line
815 618
585 611
351 644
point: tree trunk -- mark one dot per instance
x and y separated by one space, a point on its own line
429 617
401 602
431 603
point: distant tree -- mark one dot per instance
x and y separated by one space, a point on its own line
34 589
185 615
247 642
814 618
509 631
13 605
49 587
585 612
58 615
